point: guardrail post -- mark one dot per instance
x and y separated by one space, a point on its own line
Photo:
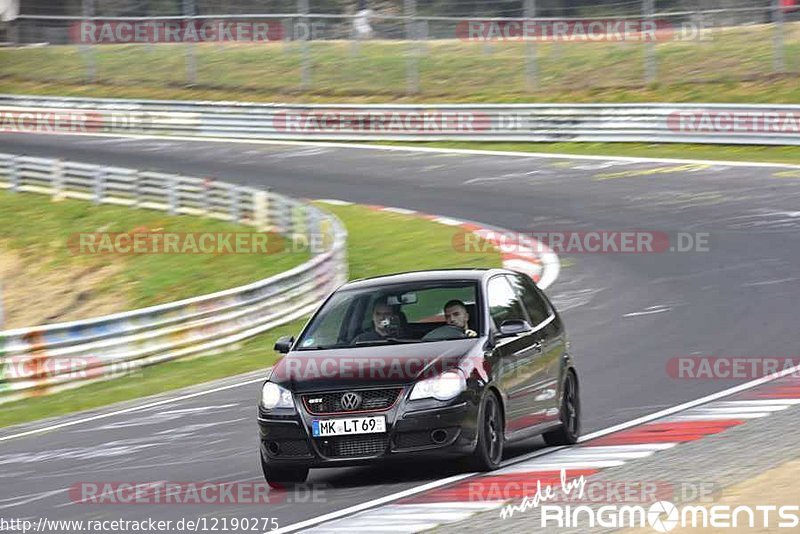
208 183
305 61
137 186
313 231
412 61
650 46
14 174
99 185
58 180
191 60
531 66
778 55
261 210
235 207
173 195
86 49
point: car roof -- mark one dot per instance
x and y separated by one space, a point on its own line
473 274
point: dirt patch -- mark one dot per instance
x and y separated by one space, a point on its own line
777 487
33 293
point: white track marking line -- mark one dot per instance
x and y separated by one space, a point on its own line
717 417
36 497
738 409
432 150
761 402
558 466
632 447
127 410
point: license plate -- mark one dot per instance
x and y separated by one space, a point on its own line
348 426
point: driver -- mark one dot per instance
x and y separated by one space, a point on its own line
385 323
457 318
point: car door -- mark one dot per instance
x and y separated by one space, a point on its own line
518 356
548 331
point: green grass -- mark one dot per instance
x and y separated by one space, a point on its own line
379 243
772 154
40 231
735 65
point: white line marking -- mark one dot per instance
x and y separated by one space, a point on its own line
733 410
715 417
557 466
761 402
401 211
649 311
634 447
35 497
334 202
126 410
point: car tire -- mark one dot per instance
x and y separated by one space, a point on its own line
279 477
569 430
489 449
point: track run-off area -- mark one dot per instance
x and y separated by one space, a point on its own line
629 315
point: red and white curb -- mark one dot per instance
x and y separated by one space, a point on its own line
532 258
459 497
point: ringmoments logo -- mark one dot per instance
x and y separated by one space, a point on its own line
661 516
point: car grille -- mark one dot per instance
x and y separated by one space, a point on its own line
352 446
371 400
293 447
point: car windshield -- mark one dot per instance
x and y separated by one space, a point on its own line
400 313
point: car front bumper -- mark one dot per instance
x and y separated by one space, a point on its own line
416 429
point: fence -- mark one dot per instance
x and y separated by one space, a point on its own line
52 357
393 47
682 123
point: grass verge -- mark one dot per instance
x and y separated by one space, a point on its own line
42 255
379 243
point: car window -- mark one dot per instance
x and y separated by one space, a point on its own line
412 310
429 303
535 305
504 304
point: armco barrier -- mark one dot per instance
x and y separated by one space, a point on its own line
767 124
52 357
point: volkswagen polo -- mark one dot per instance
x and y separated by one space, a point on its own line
448 363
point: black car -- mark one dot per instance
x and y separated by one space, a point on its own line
442 363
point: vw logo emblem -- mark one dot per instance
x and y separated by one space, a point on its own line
351 401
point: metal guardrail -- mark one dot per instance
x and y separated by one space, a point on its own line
48 358
763 124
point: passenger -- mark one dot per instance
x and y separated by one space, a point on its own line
385 323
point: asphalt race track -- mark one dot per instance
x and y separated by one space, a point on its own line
627 314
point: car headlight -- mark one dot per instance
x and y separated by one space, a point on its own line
273 396
442 387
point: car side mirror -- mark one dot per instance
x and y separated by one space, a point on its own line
284 344
513 327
